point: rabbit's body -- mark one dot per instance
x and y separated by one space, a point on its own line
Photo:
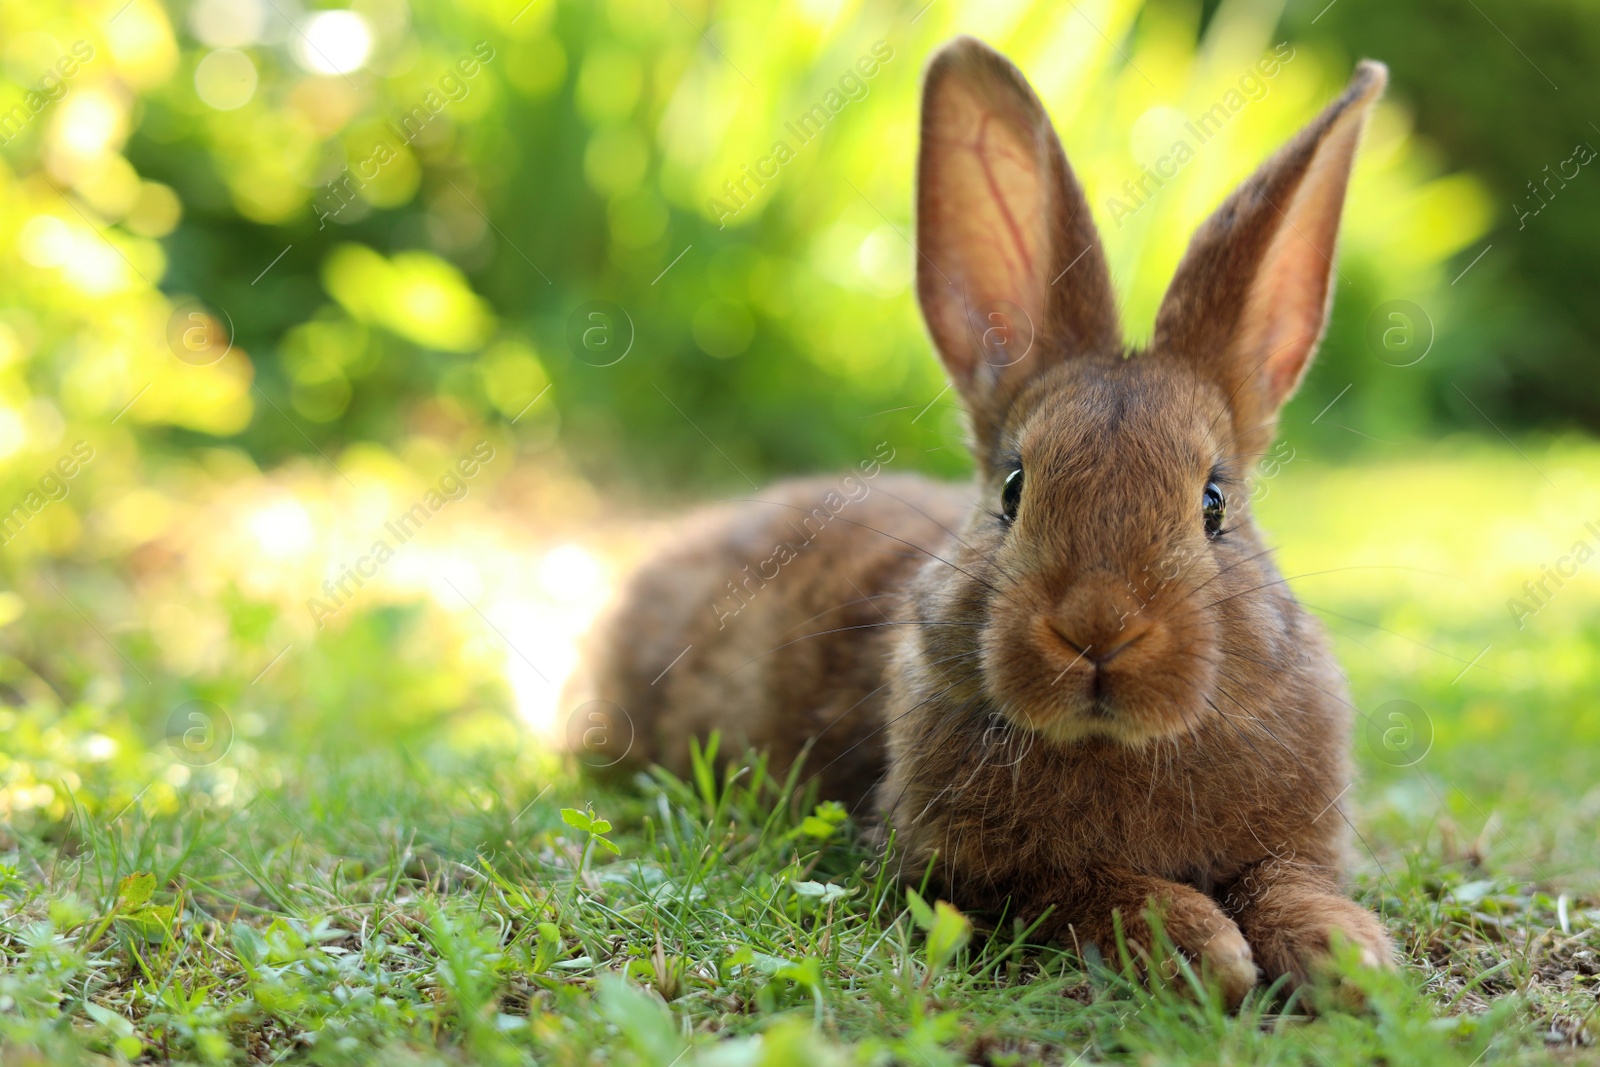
779 653
1210 802
1079 687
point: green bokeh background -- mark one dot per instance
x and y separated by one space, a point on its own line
582 160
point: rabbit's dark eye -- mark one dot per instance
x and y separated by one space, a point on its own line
1214 506
1011 495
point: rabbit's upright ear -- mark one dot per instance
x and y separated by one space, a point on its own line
1009 266
1250 298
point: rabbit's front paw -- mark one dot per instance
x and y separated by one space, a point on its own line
1306 946
1303 932
1201 933
1226 958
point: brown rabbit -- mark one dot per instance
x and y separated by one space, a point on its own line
1080 686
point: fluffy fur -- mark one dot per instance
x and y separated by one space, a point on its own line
1095 709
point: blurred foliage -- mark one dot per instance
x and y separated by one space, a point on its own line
401 217
1506 88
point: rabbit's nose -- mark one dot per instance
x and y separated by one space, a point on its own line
1095 620
1103 649
1061 635
1130 636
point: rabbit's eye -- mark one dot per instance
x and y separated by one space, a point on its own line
1011 495
1214 506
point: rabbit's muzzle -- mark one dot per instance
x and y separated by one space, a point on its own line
1102 663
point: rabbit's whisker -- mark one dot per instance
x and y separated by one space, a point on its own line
890 536
1331 801
1229 567
840 607
1197 608
890 722
957 537
812 741
1316 574
846 629
1393 633
1266 730
952 725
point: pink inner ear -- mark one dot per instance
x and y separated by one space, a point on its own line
1291 295
1288 303
992 158
985 198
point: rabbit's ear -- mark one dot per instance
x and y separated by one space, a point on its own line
1009 266
1250 298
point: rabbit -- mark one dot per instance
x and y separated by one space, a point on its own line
1078 690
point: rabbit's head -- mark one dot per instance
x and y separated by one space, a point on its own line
1110 576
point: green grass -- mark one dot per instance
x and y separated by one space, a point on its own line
380 867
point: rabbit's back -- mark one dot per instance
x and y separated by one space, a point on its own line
771 621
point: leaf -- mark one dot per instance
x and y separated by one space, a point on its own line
578 820
549 946
919 909
577 963
150 924
134 891
950 931
822 823
703 762
67 911
645 1022
1471 892
806 972
747 956
109 1019
277 997
284 943
811 826
822 892
248 945
832 812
